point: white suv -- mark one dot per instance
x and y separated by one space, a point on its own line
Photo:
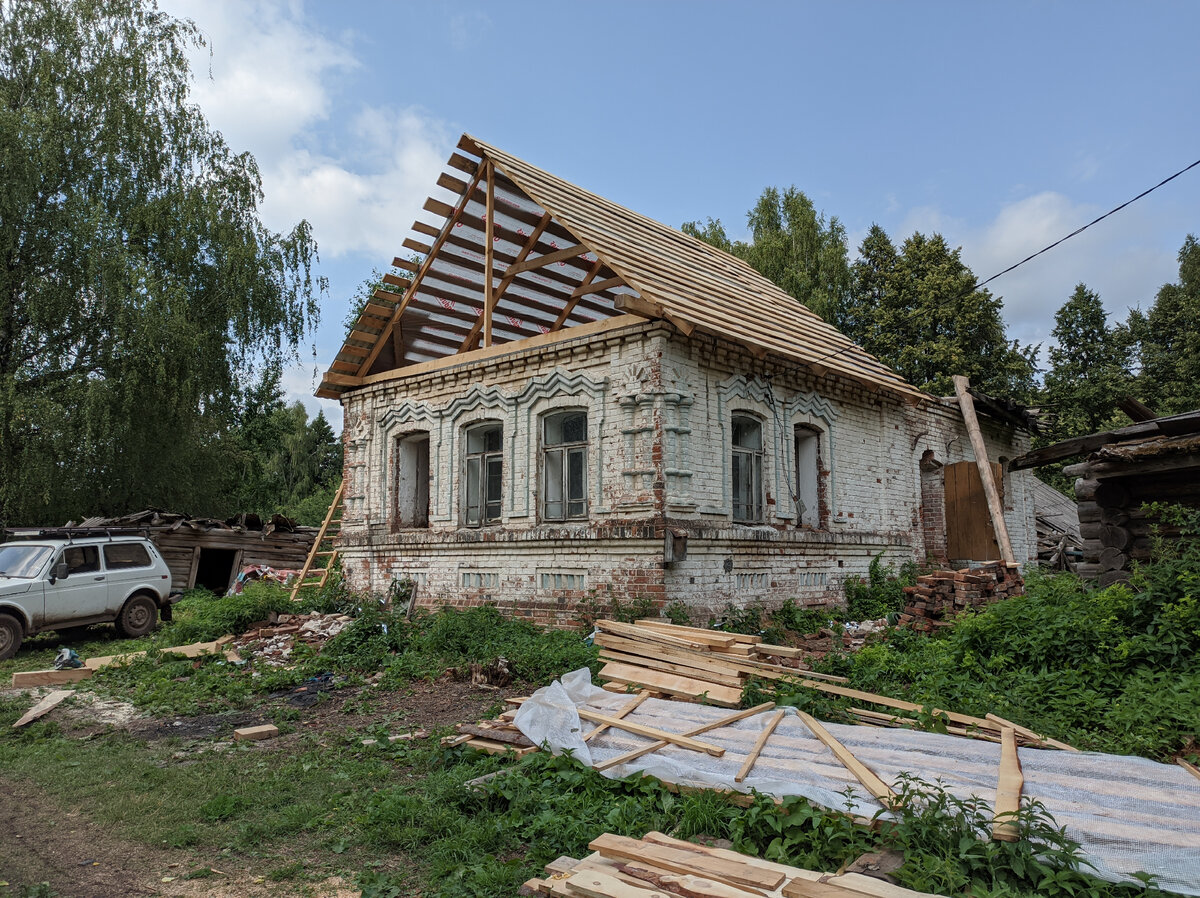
60 579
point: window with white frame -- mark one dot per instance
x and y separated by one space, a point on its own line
747 470
484 474
564 466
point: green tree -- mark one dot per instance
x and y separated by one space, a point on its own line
1167 340
793 246
1089 367
138 287
916 310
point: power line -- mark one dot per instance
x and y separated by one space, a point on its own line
979 284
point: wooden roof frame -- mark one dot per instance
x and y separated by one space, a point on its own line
542 257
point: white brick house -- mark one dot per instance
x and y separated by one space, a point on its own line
632 413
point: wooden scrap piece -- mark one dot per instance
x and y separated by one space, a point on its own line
1029 734
623 712
1190 768
254 734
649 634
44 707
686 884
759 744
799 887
652 732
496 734
636 753
1008 788
676 860
593 884
878 788
23 679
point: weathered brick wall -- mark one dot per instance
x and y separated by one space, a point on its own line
659 409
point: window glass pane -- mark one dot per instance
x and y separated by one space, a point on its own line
493 439
82 559
473 504
123 555
574 427
495 467
484 439
747 433
576 473
554 430
739 488
554 484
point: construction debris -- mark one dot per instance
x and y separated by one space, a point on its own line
658 865
496 737
942 594
273 641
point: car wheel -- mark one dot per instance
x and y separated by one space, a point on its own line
138 617
11 635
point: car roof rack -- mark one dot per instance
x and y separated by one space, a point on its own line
71 533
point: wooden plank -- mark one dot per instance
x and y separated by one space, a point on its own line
1029 734
652 733
558 255
417 246
44 707
591 884
667 666
492 747
995 508
406 264
24 679
634 632
394 281
782 651
900 704
636 753
759 744
671 684
1008 788
813 888
685 884
623 712
872 783
1190 768
256 734
701 634
676 860
489 274
451 183
598 287
427 229
706 663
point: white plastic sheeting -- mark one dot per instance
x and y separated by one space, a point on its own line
1129 814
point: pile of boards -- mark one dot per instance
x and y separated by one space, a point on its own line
658 866
691 663
943 594
25 679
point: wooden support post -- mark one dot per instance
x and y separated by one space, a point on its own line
1008 788
962 389
488 253
759 744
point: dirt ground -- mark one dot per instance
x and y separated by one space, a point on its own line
43 842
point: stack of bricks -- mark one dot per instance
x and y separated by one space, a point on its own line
943 594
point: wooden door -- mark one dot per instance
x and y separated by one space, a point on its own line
970 535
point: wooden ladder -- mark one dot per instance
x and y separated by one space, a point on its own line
322 547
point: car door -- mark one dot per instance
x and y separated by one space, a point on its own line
83 593
127 566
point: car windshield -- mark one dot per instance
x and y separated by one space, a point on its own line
22 561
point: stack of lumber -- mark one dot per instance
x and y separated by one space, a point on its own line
943 594
496 737
658 866
688 662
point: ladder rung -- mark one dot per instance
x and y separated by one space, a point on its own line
334 552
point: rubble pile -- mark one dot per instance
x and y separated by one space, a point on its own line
943 594
273 641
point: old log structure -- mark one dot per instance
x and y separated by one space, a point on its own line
209 553
1125 471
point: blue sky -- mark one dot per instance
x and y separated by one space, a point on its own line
1001 126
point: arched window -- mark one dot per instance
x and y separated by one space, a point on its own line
485 474
746 470
564 466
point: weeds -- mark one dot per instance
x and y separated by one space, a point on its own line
881 593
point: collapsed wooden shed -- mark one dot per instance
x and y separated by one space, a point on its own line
209 553
1125 470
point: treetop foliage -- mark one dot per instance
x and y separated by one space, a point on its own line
139 289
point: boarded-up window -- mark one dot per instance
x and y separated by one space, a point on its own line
970 535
